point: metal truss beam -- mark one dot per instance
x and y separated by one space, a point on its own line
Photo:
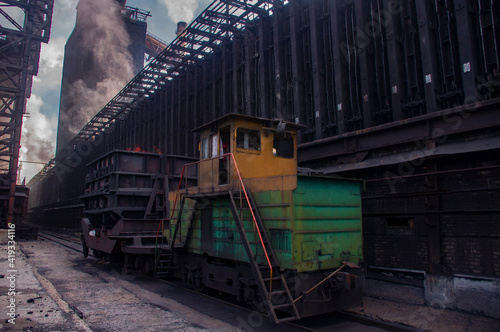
219 22
19 56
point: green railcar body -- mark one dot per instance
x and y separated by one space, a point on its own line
316 226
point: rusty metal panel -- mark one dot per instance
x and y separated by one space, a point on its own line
297 89
317 63
425 17
278 101
395 57
364 50
249 83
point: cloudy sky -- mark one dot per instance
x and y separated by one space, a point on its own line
40 125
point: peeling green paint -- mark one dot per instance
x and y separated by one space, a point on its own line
315 226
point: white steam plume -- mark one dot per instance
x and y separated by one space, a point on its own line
103 34
38 141
39 131
181 10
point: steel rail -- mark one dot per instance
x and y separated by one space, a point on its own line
301 324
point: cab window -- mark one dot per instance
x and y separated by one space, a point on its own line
283 146
204 148
248 139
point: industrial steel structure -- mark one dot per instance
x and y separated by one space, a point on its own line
27 25
401 93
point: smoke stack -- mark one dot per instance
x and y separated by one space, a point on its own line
103 53
181 26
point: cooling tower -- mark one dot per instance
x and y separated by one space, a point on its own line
104 52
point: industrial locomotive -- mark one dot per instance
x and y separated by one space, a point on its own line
243 219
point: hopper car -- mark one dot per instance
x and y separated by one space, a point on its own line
243 219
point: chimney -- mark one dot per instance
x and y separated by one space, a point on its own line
181 26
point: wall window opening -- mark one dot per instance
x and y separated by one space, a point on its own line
401 222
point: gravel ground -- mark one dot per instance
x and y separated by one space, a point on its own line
59 290
424 317
52 297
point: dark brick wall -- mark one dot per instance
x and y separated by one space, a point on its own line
470 222
396 214
394 232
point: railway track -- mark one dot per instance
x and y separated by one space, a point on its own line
71 242
340 321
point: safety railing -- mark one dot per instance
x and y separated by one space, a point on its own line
229 159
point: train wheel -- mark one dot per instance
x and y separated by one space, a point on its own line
254 299
126 264
149 266
125 270
85 249
198 284
139 263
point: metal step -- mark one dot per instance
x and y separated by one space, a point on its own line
259 270
287 319
161 274
279 292
281 306
269 279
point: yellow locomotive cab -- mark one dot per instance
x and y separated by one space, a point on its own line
265 151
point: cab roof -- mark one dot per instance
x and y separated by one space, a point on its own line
267 123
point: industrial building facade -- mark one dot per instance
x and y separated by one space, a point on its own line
400 93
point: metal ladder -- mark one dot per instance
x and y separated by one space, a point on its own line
156 199
165 257
272 285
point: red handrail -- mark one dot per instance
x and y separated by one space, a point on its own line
244 191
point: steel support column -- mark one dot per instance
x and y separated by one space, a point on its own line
430 67
224 74
297 65
249 79
432 218
365 61
179 113
188 115
340 54
278 110
319 106
394 34
263 68
164 109
213 86
237 63
467 49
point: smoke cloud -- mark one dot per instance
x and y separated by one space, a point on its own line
106 41
181 10
40 126
38 139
